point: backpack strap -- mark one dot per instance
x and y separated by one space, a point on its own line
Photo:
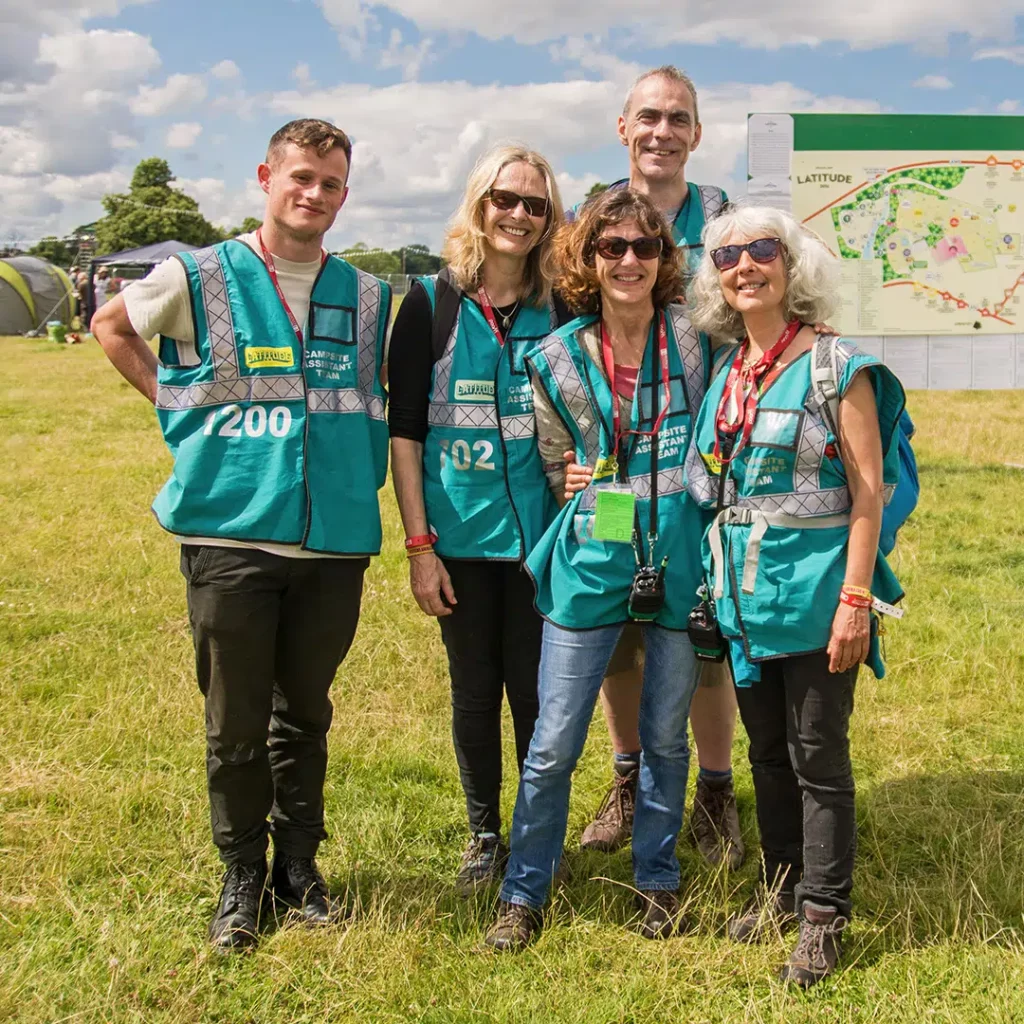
825 380
447 297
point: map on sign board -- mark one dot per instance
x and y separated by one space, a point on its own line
925 212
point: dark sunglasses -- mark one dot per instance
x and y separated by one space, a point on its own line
502 199
612 247
762 250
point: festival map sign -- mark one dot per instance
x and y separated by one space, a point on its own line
926 214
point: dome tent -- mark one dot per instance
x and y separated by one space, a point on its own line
33 291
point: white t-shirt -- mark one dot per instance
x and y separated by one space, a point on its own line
160 304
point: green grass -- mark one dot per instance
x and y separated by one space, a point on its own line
108 878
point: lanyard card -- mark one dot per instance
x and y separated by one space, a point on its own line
613 518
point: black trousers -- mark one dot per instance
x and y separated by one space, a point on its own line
493 642
797 718
269 635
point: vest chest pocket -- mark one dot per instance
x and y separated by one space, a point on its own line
776 428
332 323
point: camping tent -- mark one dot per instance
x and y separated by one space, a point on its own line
147 256
32 291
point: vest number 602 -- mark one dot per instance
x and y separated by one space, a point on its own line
463 458
255 420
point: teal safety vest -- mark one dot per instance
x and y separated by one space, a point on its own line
775 557
484 486
583 582
702 203
274 440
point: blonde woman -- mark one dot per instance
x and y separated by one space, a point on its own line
470 484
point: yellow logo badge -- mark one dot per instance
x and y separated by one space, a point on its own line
259 356
606 467
714 464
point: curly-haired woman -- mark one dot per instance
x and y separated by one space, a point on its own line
625 378
792 557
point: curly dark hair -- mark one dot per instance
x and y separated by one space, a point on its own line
576 279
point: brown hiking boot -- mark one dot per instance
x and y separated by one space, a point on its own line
483 862
661 917
714 825
515 929
764 915
818 947
613 826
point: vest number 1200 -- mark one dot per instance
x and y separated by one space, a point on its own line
255 420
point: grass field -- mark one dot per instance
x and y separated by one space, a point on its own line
108 878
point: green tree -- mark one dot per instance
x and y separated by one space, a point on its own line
152 211
419 260
598 186
57 250
375 261
247 227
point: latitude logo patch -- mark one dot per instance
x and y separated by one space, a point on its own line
474 389
259 356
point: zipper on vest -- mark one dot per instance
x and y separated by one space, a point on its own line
305 410
504 453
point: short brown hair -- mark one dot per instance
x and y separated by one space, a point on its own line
309 131
575 247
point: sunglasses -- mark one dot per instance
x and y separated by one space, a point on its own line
502 199
612 247
762 250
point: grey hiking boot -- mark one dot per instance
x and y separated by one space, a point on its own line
764 915
714 825
613 826
483 862
818 948
515 929
661 914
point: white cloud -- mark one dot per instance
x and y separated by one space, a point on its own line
177 93
415 143
1008 106
181 136
226 69
104 59
871 23
303 75
933 82
119 141
1014 54
223 206
405 56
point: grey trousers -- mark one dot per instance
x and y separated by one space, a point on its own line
269 635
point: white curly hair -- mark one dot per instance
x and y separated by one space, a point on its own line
812 272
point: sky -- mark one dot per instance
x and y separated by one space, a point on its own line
90 87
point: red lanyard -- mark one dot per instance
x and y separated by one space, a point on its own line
485 304
609 365
738 406
268 259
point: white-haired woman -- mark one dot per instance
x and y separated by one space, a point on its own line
470 484
792 559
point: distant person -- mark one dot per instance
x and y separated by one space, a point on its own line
100 286
273 410
470 484
792 558
660 127
621 382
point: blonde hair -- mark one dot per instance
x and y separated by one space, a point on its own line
465 244
812 272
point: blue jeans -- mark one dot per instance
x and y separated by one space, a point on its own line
572 665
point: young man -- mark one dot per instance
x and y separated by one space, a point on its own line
660 128
268 393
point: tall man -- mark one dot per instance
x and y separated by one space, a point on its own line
660 128
268 393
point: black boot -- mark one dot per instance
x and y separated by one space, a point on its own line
298 884
236 923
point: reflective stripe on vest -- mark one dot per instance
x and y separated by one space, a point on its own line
230 386
710 201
